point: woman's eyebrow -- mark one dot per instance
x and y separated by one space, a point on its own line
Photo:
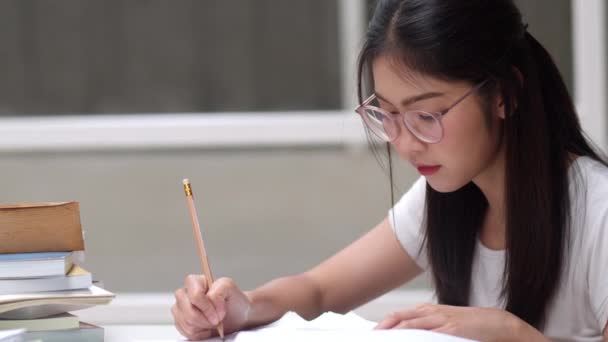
412 99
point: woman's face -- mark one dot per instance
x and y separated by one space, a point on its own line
471 141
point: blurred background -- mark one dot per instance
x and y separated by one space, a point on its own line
111 103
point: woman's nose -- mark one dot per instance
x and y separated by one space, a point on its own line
407 143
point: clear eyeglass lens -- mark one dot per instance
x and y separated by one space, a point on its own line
381 125
424 125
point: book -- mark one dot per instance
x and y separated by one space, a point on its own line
57 322
86 332
77 278
40 227
44 304
35 265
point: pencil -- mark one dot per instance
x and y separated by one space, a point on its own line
199 242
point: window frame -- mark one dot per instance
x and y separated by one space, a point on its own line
589 59
307 128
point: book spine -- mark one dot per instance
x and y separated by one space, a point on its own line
17 286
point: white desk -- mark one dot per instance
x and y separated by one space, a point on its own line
125 333
132 317
167 333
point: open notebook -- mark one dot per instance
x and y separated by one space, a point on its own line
331 327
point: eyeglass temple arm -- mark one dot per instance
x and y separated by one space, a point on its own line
366 102
475 88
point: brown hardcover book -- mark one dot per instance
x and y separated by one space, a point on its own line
40 227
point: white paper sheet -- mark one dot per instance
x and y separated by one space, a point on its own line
12 335
331 327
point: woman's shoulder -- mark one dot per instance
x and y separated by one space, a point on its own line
590 175
589 197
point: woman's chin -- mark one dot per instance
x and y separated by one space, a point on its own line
444 186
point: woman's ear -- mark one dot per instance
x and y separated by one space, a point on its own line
500 103
520 79
519 75
500 107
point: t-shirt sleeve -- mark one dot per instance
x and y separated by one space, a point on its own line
598 267
406 219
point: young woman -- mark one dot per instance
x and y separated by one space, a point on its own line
510 215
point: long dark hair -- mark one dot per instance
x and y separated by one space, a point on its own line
471 41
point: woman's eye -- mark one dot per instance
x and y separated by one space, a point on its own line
425 117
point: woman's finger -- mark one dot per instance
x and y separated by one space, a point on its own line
181 327
396 317
196 283
196 292
178 321
189 332
388 323
218 293
191 315
220 306
196 288
424 323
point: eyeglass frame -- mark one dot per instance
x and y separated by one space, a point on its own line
360 109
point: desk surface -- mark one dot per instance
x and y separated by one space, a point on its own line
125 318
124 333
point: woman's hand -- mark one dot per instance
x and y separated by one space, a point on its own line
482 324
198 309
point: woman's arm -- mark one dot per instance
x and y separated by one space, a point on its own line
479 324
369 267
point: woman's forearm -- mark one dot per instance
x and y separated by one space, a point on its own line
526 332
299 293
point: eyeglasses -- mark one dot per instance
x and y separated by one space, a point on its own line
425 126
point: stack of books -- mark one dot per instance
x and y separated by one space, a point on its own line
41 277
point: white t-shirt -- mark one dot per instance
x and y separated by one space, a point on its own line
580 309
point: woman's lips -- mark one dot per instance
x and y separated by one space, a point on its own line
427 170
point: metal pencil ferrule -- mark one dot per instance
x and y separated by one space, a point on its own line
188 189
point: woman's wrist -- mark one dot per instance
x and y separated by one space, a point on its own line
250 320
260 310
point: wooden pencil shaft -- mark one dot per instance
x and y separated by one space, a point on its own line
200 244
199 240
